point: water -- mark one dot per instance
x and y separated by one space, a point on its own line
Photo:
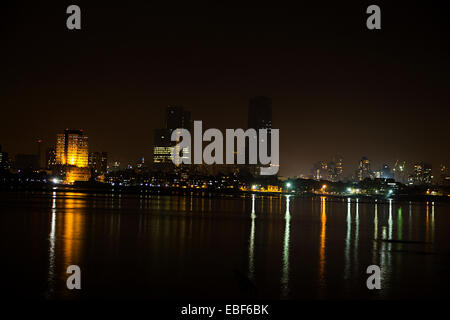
272 247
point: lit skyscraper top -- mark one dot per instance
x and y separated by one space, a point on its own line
72 148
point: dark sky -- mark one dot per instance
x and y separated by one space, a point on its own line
336 86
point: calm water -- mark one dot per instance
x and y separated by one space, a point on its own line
150 246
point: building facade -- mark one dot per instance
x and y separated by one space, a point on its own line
72 156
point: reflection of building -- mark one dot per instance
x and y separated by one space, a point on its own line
72 155
422 174
176 118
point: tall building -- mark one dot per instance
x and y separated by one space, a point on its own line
72 148
72 155
50 158
422 174
260 117
260 113
4 160
444 178
339 166
176 118
98 162
363 170
399 171
320 171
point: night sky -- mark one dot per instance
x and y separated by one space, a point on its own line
336 86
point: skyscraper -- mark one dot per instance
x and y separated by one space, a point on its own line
72 148
260 117
320 170
422 174
176 118
72 155
50 158
363 170
98 162
4 161
339 166
260 113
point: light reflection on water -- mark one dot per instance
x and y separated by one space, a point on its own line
155 246
285 267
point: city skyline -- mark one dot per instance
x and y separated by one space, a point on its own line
72 151
381 95
347 172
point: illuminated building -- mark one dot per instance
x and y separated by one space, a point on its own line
320 170
72 155
384 173
422 174
363 171
98 162
444 175
176 118
4 161
339 166
72 148
50 158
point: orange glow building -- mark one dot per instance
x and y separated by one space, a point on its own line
72 153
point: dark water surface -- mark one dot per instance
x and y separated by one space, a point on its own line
150 246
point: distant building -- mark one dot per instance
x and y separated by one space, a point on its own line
72 155
176 118
339 167
4 160
98 162
363 171
260 117
50 158
163 146
422 174
320 171
399 171
444 176
386 172
72 148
